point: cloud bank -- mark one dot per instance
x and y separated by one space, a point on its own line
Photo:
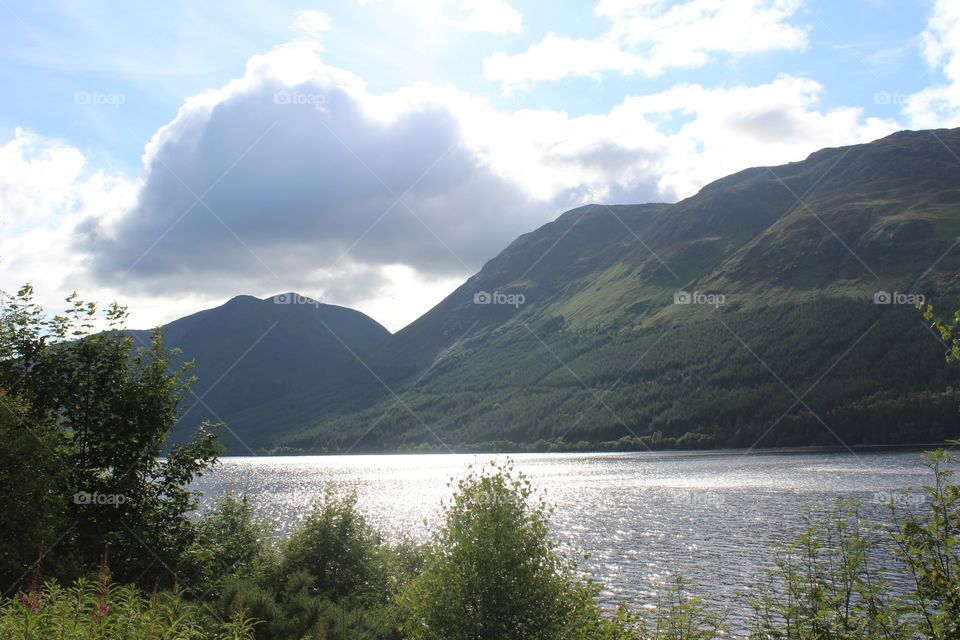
295 176
649 37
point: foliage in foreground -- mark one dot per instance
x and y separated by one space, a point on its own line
836 580
89 413
84 431
101 611
333 578
493 571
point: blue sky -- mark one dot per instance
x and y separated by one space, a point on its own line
157 55
544 105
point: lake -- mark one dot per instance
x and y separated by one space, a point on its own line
714 517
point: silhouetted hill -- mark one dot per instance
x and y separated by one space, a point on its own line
249 352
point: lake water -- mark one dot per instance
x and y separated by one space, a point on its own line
714 517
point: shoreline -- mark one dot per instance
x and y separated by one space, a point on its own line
865 448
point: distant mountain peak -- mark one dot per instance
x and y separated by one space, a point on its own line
603 303
251 351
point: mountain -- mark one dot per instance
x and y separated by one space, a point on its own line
249 352
598 354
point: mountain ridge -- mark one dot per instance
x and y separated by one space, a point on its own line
797 251
686 245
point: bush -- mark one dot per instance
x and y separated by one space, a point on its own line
926 543
229 544
678 615
339 551
494 572
828 585
33 501
333 578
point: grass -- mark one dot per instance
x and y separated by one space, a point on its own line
102 611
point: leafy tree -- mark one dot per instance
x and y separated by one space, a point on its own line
230 544
826 586
949 331
338 549
927 544
32 503
493 572
113 406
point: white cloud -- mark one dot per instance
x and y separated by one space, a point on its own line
667 145
490 16
46 191
557 57
289 177
48 195
401 295
649 37
36 176
311 23
299 163
939 105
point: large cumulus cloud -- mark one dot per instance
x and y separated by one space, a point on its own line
277 176
296 177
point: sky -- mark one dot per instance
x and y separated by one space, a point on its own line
376 153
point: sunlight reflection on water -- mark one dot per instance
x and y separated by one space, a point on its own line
714 517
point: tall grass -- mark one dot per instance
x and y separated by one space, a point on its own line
90 610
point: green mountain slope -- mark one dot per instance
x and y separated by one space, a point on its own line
598 351
250 352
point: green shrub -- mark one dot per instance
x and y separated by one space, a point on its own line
338 549
926 543
494 572
33 502
677 615
826 584
334 578
230 544
106 407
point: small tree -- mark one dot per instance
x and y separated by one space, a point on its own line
340 551
494 572
827 586
927 544
679 615
230 544
32 501
113 407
